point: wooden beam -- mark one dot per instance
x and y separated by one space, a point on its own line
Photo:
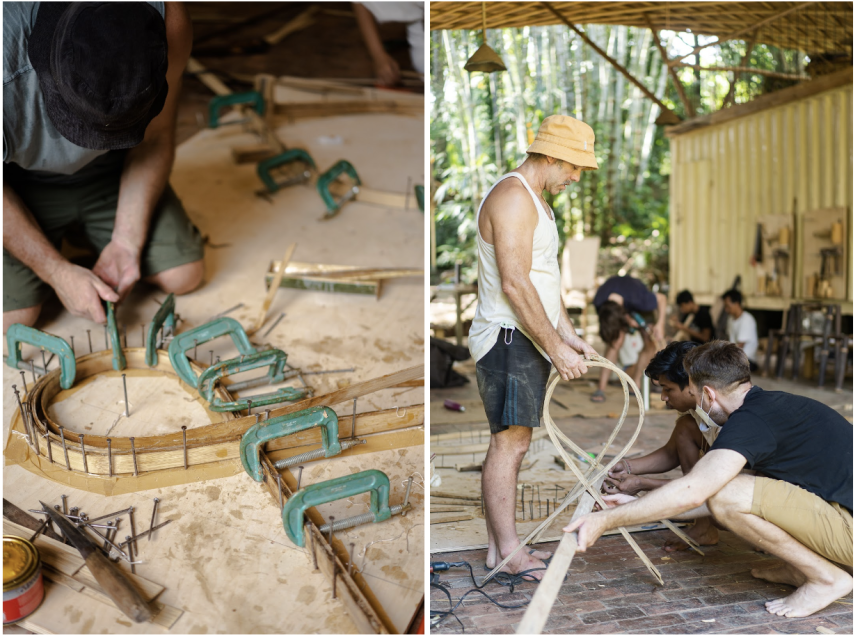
675 80
767 101
606 57
744 69
747 29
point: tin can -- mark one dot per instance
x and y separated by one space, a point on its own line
23 590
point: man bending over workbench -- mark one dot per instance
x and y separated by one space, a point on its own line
798 508
90 94
521 328
624 305
689 441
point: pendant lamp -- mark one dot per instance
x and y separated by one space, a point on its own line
485 59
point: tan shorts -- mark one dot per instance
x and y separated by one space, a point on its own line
825 527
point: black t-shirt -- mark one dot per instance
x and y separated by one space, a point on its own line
701 320
795 439
636 295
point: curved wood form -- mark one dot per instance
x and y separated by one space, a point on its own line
166 459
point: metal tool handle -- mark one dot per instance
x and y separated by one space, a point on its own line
202 334
264 169
217 103
372 480
338 168
118 360
280 426
164 317
19 334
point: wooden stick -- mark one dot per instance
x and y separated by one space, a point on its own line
454 518
744 69
301 21
678 86
273 289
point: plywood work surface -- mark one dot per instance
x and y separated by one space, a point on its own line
225 560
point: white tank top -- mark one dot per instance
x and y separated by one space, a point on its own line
494 309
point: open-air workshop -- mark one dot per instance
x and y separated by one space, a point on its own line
213 409
641 318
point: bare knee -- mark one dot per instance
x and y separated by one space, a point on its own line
179 280
513 441
733 499
27 317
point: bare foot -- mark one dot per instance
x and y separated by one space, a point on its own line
524 561
811 597
781 574
493 558
703 533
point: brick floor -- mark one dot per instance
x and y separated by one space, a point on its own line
609 591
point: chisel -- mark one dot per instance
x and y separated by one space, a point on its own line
111 579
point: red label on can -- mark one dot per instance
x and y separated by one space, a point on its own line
21 602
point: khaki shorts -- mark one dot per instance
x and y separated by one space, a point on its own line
825 527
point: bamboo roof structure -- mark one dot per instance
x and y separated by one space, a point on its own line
812 27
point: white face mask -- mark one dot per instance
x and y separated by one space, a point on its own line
706 417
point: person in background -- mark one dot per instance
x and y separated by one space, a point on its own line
623 305
742 327
694 323
368 14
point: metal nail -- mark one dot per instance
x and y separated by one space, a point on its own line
330 530
351 549
299 479
211 356
111 515
184 447
125 394
24 380
143 335
274 324
277 477
131 554
354 402
65 451
313 545
48 444
125 335
107 346
133 454
134 539
40 530
33 370
249 407
90 340
44 364
65 500
334 577
155 502
406 497
110 459
83 453
107 537
131 524
195 349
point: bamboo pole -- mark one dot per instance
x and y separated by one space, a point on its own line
675 80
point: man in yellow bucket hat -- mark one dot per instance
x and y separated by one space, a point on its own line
520 330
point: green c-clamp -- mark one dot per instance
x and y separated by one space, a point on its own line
289 156
325 180
285 425
372 480
19 333
217 103
164 317
275 359
202 334
118 359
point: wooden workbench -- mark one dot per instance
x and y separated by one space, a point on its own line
225 560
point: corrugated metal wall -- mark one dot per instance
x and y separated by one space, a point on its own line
726 176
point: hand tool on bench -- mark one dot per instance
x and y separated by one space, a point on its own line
164 318
285 425
371 480
299 163
338 169
19 334
200 335
118 360
111 579
275 359
24 519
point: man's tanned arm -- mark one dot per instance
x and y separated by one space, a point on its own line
684 495
147 166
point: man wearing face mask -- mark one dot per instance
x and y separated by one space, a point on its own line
689 441
521 329
798 508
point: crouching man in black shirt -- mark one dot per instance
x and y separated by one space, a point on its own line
799 506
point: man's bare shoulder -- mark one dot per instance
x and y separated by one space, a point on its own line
510 202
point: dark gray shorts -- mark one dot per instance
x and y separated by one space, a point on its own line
512 382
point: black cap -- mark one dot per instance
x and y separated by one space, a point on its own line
102 68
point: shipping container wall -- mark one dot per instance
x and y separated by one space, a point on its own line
727 176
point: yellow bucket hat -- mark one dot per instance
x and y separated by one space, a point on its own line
566 138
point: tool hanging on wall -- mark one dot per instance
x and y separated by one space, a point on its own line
274 359
18 334
373 481
281 426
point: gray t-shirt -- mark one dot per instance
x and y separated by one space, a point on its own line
30 139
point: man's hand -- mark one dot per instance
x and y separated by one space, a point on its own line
82 292
589 528
657 332
387 69
675 323
617 500
577 343
119 267
569 363
624 483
